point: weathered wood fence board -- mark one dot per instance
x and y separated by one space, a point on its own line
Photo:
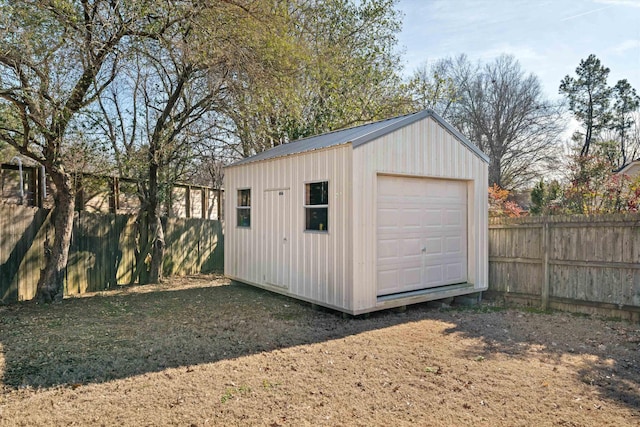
19 226
102 253
584 263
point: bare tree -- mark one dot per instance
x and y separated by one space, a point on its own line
504 112
170 103
154 118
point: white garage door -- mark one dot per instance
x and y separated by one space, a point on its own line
421 233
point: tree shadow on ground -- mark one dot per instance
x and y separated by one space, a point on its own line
101 338
609 354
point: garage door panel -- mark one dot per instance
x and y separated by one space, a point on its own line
454 271
387 218
431 217
388 280
455 216
434 275
433 245
426 218
453 245
410 247
388 249
409 218
412 276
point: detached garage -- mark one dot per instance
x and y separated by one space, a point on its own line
362 219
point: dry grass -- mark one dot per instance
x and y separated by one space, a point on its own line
199 351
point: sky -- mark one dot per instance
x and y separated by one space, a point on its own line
548 37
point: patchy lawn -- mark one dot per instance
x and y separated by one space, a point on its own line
200 351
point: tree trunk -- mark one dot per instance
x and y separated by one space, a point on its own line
495 174
157 250
51 283
156 233
622 147
141 250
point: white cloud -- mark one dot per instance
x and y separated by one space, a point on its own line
626 45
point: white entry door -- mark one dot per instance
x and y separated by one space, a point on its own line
421 233
276 237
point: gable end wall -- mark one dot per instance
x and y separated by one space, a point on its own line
422 149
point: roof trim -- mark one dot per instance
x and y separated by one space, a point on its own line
395 124
626 167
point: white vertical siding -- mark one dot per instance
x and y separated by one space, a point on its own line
320 264
425 149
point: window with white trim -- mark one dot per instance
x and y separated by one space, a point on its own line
243 208
316 206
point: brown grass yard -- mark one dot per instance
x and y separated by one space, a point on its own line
199 351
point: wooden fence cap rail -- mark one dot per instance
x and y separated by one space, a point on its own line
620 217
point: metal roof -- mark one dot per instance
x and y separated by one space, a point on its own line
357 136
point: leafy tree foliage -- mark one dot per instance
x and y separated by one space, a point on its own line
56 60
625 102
546 199
589 98
593 187
607 113
342 72
432 88
500 205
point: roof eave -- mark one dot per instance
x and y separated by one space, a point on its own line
626 167
249 160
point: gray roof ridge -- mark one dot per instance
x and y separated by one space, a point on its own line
376 129
353 127
290 147
399 122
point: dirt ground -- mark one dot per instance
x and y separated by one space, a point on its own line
200 351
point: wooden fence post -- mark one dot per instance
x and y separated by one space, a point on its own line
204 202
114 195
187 202
545 266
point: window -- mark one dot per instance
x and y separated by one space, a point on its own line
244 208
316 206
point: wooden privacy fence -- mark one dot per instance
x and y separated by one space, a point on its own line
102 253
576 263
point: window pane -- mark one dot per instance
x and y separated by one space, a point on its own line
244 217
317 219
244 197
317 193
